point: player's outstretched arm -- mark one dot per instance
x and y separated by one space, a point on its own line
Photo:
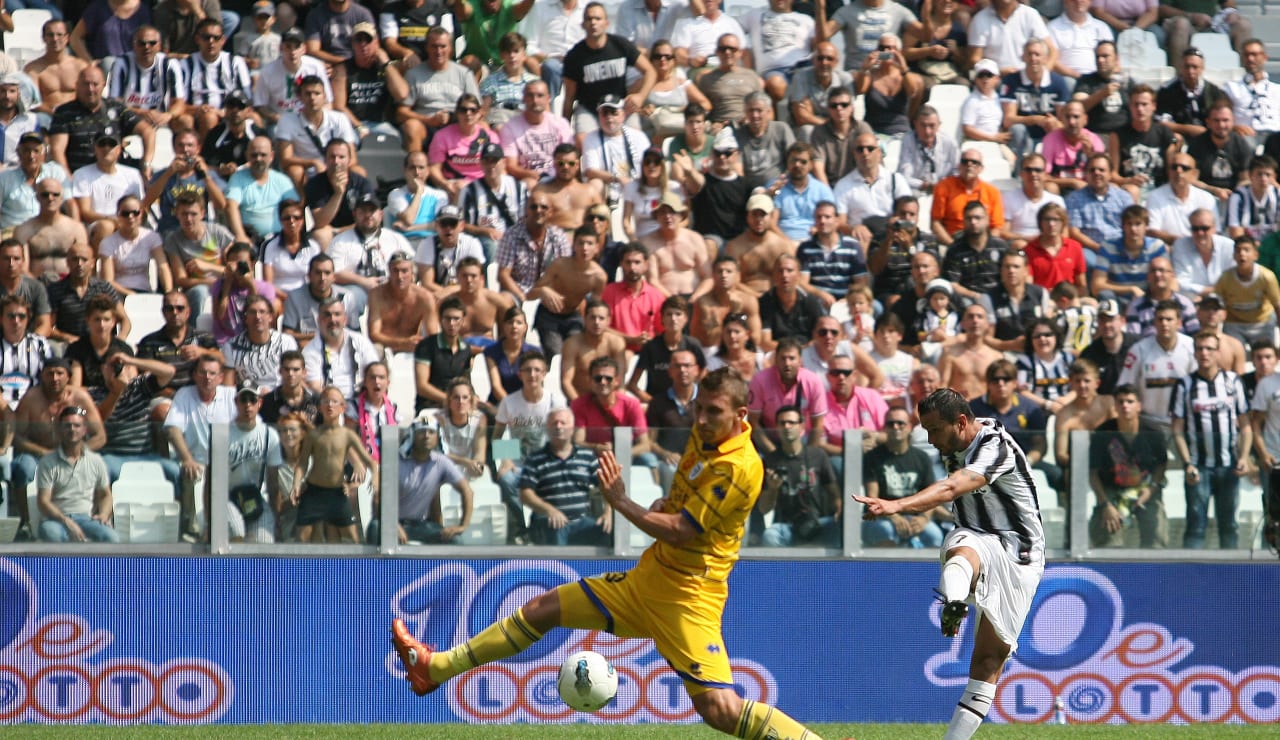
673 529
935 494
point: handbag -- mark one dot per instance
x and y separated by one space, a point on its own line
248 498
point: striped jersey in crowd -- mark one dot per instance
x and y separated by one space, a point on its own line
1259 217
209 82
1212 409
155 88
1008 505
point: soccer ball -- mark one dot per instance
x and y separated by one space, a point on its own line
587 681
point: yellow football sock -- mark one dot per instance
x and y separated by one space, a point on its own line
763 722
502 639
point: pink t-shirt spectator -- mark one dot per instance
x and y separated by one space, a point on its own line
768 395
626 412
531 145
1048 270
865 409
1125 10
460 154
1066 160
634 314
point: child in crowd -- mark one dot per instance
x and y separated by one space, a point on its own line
862 320
896 365
259 45
1075 320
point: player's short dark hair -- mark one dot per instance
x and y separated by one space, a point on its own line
1126 389
787 343
291 355
206 359
890 320
100 303
189 197
904 200
469 262
1262 162
565 148
974 205
634 248
1253 350
729 382
311 81
1169 304
259 298
510 315
512 41
1206 334
790 408
676 303
585 231
19 300
595 303
1135 213
694 110
208 23
723 258
605 361
317 260
947 404
453 303
1064 289
1083 366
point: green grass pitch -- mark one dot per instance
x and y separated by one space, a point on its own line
621 732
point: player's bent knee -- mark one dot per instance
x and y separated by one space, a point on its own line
542 612
719 708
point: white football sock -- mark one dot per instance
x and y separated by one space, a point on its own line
973 707
957 574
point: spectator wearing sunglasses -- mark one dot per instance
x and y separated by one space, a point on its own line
849 406
1172 204
1184 102
807 93
211 74
895 469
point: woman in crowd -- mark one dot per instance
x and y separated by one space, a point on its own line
286 257
892 93
935 50
736 349
454 153
503 357
464 429
663 111
127 254
641 195
1044 367
292 428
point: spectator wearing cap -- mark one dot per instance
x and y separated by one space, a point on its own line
330 26
402 312
148 80
597 67
226 146
361 254
277 90
33 435
642 195
529 139
435 86
502 91
953 193
719 194
72 487
77 125
254 354
424 472
195 248
981 114
728 85
189 173
1200 259
492 203
679 257
1211 309
15 120
49 234
367 83
54 70
19 197
614 154
1122 265
210 75
1110 345
255 194
234 288
301 136
131 385
98 187
332 194
259 44
454 152
439 254
253 462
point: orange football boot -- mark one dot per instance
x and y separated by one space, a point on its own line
415 657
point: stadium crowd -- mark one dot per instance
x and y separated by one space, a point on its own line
599 203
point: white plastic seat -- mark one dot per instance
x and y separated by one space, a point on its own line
152 523
141 470
27 34
8 528
947 100
553 382
402 387
485 492
480 377
142 491
1217 50
995 166
144 314
163 155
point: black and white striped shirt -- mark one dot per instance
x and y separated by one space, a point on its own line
154 88
1258 217
20 366
207 83
1212 409
1008 505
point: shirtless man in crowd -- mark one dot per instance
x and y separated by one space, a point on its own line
484 306
49 234
35 424
580 350
1087 411
757 248
964 364
401 312
680 254
321 493
570 196
726 297
564 286
56 71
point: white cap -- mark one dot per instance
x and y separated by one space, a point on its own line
986 65
725 140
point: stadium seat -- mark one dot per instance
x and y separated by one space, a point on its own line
491 276
1153 76
892 151
153 523
480 377
33 511
947 100
204 319
8 528
364 504
995 166
553 375
142 491
382 157
145 315
485 492
488 525
1224 75
1139 49
403 389
1217 50
163 155
25 42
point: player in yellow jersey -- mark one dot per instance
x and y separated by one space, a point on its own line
675 594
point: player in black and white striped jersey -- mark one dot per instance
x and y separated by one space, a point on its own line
1212 433
995 556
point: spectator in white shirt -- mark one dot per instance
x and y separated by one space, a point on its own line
1255 97
1077 34
1200 259
1172 204
695 38
982 113
785 40
1001 31
1022 206
552 29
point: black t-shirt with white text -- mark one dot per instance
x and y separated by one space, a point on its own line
600 72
